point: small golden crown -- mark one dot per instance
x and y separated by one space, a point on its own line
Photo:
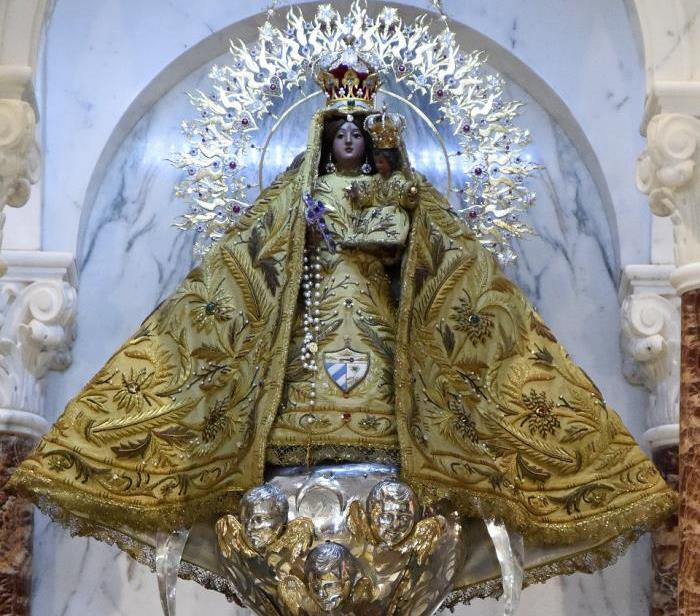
385 129
348 78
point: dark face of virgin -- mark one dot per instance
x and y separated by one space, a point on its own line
348 147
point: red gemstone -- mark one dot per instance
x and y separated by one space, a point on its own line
347 416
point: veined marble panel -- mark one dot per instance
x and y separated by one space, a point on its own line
586 54
132 258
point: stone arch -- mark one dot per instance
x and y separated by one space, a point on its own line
216 44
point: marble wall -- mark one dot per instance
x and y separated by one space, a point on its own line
109 197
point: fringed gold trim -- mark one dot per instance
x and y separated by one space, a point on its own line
586 561
644 514
43 491
140 552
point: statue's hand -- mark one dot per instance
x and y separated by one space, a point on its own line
411 195
349 241
352 192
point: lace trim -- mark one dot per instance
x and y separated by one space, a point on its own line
587 561
300 455
141 552
640 517
644 514
50 494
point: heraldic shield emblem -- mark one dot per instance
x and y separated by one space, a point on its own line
346 367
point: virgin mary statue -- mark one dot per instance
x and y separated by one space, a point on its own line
350 316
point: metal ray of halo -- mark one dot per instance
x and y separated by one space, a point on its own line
274 128
389 93
491 185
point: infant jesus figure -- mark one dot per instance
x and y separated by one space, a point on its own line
380 202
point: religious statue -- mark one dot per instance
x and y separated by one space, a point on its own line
264 514
331 577
381 199
375 557
393 511
349 316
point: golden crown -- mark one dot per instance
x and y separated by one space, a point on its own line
385 129
348 77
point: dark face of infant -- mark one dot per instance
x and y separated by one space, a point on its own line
386 161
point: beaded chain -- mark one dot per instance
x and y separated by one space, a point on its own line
311 283
311 288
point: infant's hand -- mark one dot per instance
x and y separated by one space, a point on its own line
411 194
349 241
352 192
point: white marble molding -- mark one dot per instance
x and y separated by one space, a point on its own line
109 191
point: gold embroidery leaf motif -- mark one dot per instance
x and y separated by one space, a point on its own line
465 383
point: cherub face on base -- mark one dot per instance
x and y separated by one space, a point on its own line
264 512
330 572
393 511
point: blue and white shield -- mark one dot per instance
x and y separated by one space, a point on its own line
346 367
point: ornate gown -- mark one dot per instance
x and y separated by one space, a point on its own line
351 416
449 371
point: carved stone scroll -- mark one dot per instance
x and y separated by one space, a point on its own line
37 310
668 172
651 336
19 152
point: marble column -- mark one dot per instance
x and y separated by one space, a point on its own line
37 310
651 345
689 452
668 172
15 532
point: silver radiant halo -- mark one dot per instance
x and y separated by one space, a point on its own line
264 78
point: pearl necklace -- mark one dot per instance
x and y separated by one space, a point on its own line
311 287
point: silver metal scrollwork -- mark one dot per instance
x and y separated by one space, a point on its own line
350 540
346 539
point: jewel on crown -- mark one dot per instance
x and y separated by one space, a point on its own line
385 128
348 77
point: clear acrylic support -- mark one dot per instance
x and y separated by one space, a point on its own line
510 551
169 549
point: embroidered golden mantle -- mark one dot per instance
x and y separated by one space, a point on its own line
490 410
